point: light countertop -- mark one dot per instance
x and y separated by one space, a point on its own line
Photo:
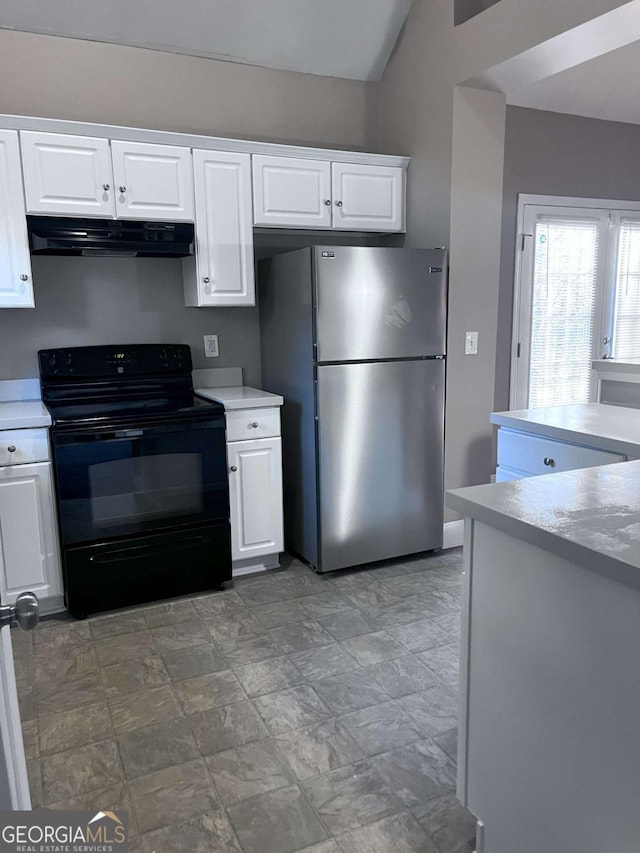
22 414
598 425
241 397
590 516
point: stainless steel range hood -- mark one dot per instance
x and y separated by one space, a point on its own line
53 235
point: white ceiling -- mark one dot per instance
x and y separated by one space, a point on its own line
607 87
335 38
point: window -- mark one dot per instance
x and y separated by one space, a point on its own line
577 297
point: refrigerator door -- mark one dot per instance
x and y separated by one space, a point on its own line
374 303
381 436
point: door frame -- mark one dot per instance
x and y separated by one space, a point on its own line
519 284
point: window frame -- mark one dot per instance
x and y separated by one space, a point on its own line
603 319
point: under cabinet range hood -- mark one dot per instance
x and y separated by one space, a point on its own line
54 235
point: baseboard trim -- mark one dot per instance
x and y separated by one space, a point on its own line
453 534
254 565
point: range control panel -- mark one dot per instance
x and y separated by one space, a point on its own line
104 361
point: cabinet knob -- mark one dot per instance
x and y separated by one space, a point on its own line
24 277
106 187
206 279
338 204
549 461
254 425
11 448
122 189
327 201
233 468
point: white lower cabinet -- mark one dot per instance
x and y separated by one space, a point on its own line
29 554
254 455
255 493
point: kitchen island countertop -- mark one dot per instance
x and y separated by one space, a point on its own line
591 515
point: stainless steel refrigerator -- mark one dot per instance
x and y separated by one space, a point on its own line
354 339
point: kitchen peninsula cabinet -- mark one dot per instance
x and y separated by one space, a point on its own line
301 193
16 289
548 746
86 176
221 272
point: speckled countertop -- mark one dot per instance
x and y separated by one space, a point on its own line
590 517
613 428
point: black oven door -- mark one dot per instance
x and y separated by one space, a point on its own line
121 482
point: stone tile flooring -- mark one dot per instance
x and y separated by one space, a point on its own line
292 712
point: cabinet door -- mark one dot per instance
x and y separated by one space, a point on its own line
16 289
291 193
28 539
255 493
152 181
367 198
67 175
223 273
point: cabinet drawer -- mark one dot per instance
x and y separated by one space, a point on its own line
527 453
253 423
31 445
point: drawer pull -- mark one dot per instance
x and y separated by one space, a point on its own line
254 425
549 461
11 448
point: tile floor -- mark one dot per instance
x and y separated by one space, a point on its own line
292 712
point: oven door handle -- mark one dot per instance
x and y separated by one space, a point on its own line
74 436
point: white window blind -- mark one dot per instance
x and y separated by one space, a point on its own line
563 310
626 312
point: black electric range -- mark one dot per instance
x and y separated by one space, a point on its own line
140 472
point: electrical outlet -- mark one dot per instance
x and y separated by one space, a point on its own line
211 346
471 343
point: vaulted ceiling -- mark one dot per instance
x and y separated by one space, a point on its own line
607 87
336 38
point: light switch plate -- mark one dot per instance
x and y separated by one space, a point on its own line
471 343
211 349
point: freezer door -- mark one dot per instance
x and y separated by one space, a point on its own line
381 435
374 303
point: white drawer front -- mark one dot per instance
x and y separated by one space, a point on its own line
533 454
30 445
253 423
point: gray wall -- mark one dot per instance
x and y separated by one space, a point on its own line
85 81
555 154
89 301
465 9
83 301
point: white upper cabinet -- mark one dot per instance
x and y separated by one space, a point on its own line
367 198
67 175
298 193
152 181
291 193
223 272
16 289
